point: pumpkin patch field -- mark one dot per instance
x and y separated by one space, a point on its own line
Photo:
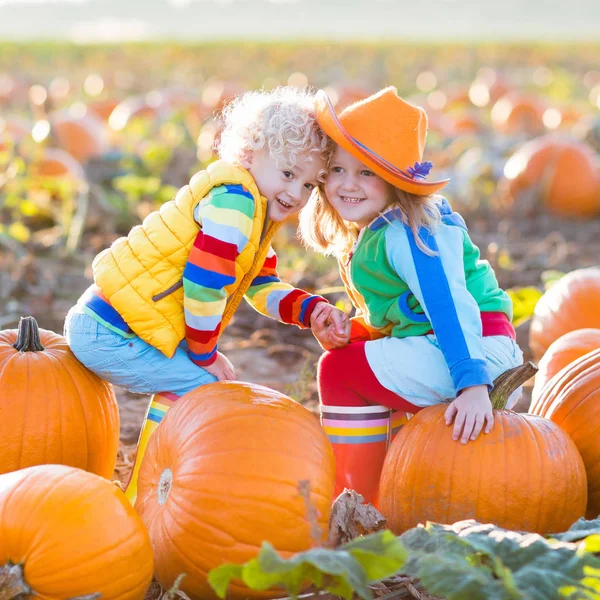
235 490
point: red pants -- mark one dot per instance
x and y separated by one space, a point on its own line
346 379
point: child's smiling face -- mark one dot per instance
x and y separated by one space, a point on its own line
355 192
287 190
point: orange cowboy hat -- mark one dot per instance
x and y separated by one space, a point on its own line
385 133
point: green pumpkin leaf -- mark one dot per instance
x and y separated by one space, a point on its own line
379 555
475 561
579 531
345 571
220 577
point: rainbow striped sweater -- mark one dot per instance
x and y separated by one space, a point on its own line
209 277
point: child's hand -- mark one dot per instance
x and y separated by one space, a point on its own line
330 326
470 411
222 368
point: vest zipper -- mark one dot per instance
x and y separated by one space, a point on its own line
172 289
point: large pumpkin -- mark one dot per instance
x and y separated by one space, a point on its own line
66 533
526 474
559 172
571 303
562 352
571 399
53 409
221 474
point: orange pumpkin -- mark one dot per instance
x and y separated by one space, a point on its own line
133 107
82 137
559 172
563 352
103 108
53 409
54 162
526 474
515 113
221 474
571 399
66 533
571 303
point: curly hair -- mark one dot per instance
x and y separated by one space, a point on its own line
281 122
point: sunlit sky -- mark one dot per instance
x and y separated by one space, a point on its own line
196 20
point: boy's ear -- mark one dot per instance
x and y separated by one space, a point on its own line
246 159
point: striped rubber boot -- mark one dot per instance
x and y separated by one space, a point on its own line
360 436
158 406
399 419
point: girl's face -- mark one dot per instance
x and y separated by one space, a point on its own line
355 192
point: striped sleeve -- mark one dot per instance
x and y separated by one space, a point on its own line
438 283
225 219
281 301
361 332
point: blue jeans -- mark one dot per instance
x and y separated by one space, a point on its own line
131 363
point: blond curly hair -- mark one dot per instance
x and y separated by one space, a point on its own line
281 122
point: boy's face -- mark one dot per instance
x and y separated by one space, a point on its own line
354 191
286 190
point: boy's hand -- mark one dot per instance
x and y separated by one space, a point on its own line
222 368
470 411
330 326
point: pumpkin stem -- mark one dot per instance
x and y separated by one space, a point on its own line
28 336
12 584
508 382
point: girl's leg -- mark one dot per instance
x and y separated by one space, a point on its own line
138 367
360 417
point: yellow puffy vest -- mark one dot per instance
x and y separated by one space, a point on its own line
141 274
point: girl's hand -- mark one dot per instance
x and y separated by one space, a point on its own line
222 368
470 411
330 325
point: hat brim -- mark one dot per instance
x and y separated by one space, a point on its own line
330 124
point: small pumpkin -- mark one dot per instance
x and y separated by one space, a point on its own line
53 409
54 162
526 474
559 172
83 137
562 352
515 113
221 474
571 303
571 399
66 533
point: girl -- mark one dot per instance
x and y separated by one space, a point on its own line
432 324
163 295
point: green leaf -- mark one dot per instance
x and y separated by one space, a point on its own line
579 531
475 561
380 555
220 577
345 571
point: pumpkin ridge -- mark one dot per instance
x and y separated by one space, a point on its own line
451 486
102 406
58 395
581 399
540 470
80 396
567 385
266 502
